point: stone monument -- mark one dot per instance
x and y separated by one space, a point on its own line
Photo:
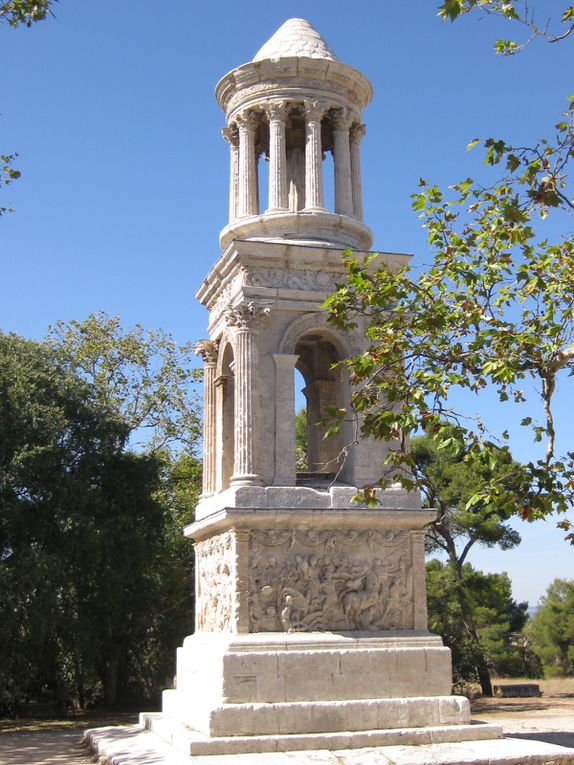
311 624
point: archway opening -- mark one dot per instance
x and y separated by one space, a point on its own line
317 356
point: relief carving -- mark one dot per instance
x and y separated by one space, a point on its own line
323 281
330 580
215 583
226 295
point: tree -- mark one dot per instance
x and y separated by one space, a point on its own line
144 376
495 308
17 12
496 619
54 437
14 13
447 482
95 579
551 629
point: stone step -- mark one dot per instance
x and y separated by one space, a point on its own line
192 742
133 745
314 716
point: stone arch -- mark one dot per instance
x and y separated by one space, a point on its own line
318 348
316 321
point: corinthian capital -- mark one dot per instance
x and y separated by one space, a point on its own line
276 110
314 110
247 120
247 316
357 132
231 135
342 119
207 349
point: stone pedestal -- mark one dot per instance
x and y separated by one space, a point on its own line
311 628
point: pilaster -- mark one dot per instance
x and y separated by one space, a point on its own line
245 318
207 349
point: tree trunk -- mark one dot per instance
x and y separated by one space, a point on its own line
110 678
481 666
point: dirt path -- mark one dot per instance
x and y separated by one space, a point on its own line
43 748
548 718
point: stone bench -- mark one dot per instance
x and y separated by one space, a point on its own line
517 689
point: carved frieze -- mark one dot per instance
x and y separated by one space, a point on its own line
330 580
278 278
215 572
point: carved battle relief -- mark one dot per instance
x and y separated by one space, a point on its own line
214 561
306 580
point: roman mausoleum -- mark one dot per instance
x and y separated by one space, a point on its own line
311 623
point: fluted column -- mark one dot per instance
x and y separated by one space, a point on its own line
231 135
207 349
277 112
245 318
313 157
247 202
342 157
356 134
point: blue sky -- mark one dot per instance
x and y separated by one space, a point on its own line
125 175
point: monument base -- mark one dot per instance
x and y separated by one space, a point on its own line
271 692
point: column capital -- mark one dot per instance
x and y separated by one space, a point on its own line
247 120
247 316
357 132
231 134
314 110
276 110
342 119
207 349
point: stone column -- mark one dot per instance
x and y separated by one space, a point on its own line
208 352
245 318
342 157
247 202
356 134
313 157
277 112
231 135
285 473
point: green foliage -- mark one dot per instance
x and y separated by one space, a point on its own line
301 455
95 577
495 309
485 600
26 12
8 173
517 11
144 376
551 630
448 483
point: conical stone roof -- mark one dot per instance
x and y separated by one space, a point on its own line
296 37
